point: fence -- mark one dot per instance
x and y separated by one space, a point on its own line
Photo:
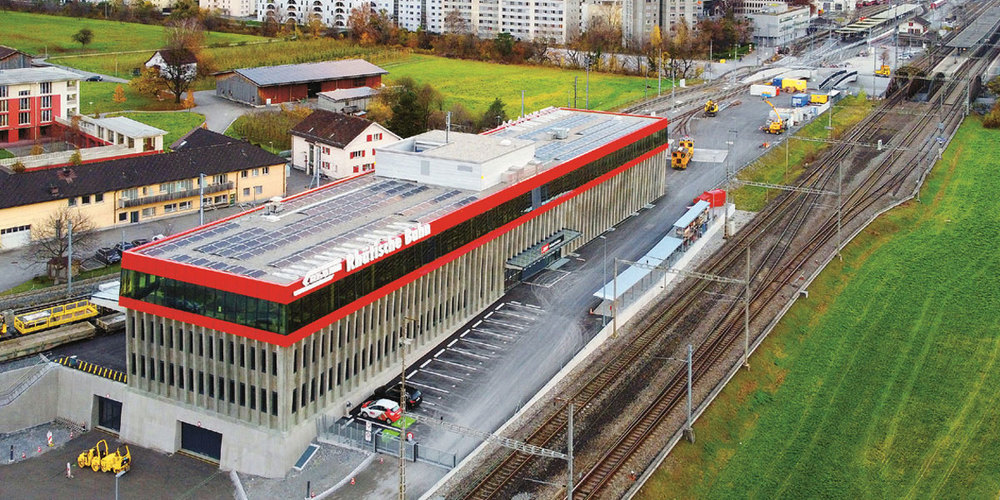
355 434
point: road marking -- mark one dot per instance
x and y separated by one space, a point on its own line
505 337
484 344
442 375
477 323
452 342
436 355
428 387
508 325
468 353
465 333
425 363
499 307
489 314
460 365
520 316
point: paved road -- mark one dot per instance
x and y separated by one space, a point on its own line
84 74
219 113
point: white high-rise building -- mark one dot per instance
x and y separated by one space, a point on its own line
232 8
639 17
332 12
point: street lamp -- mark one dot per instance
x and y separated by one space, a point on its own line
604 282
404 341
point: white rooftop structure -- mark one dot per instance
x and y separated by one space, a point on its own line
34 75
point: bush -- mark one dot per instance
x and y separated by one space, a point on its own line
992 119
268 128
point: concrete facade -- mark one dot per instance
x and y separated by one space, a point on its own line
357 157
31 99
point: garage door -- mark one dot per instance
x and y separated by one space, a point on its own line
109 414
201 441
13 237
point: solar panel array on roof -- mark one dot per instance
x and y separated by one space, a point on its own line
979 29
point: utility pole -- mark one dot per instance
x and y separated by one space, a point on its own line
840 204
659 74
614 304
746 314
522 106
587 93
569 446
575 79
403 343
69 258
201 198
690 430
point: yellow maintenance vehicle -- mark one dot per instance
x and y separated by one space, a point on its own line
92 457
680 157
711 108
884 71
776 126
117 462
61 314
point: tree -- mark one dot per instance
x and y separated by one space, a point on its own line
76 159
51 241
494 116
147 83
993 85
408 119
504 46
180 58
83 37
36 149
189 102
119 96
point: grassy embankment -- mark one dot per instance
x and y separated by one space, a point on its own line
884 383
771 168
46 282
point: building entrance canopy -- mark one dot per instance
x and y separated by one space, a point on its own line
542 249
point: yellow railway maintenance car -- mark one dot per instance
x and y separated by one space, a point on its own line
36 321
680 157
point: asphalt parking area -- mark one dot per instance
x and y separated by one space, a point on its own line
464 361
153 475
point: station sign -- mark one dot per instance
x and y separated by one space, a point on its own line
326 273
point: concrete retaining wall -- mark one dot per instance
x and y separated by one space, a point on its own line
35 406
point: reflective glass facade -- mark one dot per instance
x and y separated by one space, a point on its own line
284 319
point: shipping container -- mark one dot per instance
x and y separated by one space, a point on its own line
818 99
764 90
793 85
799 100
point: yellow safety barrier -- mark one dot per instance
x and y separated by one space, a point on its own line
100 371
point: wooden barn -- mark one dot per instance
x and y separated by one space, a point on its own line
295 82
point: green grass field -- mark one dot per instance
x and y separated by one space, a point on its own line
884 383
5 154
176 123
771 167
38 33
97 97
475 84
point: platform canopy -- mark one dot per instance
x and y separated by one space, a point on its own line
692 214
634 274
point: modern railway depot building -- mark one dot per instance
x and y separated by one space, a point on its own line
241 333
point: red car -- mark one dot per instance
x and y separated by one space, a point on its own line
385 410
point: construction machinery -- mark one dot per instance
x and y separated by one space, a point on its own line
680 157
711 108
117 461
884 71
92 457
42 319
777 125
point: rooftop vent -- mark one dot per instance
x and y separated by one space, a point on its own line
560 133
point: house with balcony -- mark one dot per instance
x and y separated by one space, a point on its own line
138 189
31 99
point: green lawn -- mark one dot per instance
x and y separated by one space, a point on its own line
5 154
475 84
771 167
38 33
97 97
176 123
884 383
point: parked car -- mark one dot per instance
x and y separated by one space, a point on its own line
123 246
139 242
108 255
384 410
95 78
413 395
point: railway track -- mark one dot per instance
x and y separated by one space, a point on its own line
781 252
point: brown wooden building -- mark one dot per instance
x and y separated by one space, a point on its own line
295 82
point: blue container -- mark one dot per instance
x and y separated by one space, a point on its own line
776 82
799 100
